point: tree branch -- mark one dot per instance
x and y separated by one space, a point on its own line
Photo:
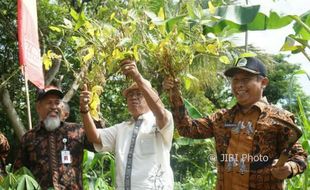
75 84
9 108
51 73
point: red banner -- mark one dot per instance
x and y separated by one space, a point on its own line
28 42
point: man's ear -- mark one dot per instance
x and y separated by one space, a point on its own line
265 82
66 115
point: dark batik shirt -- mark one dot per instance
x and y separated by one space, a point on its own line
269 135
40 152
4 150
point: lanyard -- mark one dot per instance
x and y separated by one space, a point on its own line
130 154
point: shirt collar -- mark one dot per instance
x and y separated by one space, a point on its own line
144 116
261 104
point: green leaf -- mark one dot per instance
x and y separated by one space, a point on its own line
238 14
194 11
248 54
289 44
90 55
74 14
199 48
171 22
306 144
300 29
188 78
117 55
113 171
187 83
79 41
271 21
213 49
302 114
161 13
155 6
244 18
87 160
80 22
136 53
224 59
26 182
54 28
192 111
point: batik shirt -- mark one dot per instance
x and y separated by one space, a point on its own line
4 150
255 134
41 153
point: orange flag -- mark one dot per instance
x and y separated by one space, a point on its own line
28 42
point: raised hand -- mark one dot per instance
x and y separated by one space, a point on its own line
129 68
85 96
169 83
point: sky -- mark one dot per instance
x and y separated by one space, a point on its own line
271 41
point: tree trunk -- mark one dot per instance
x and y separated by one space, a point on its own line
9 108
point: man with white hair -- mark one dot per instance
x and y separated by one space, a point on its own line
53 149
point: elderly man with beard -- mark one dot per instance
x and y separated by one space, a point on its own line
53 149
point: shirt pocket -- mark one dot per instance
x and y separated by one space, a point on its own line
147 144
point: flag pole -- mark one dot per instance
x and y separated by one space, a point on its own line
27 99
246 34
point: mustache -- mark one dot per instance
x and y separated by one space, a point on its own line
56 111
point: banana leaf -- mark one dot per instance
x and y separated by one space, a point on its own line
243 18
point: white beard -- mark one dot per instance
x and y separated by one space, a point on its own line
51 123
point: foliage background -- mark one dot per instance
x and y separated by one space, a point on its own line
82 41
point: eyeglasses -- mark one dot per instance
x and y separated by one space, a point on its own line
132 94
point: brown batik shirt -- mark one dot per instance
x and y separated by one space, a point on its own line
254 134
41 153
4 151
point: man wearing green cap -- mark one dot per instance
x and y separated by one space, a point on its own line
142 144
253 139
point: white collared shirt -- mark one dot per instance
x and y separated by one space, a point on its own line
151 158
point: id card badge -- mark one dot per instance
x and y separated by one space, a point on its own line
65 157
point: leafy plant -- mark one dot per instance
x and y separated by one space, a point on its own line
98 171
302 181
22 179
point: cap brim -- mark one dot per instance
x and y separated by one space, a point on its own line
52 91
56 92
232 71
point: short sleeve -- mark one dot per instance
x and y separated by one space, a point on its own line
107 138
